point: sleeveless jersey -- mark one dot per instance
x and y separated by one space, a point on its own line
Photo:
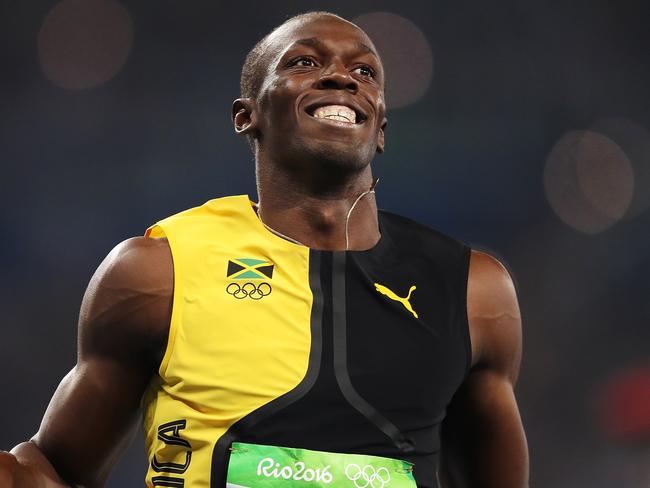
273 343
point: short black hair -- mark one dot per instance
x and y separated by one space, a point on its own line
254 69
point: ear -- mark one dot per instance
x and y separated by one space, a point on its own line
380 136
244 116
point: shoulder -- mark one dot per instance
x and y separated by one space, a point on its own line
493 314
138 260
128 301
491 282
134 267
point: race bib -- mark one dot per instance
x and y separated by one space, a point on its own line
253 465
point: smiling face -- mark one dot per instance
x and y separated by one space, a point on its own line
322 99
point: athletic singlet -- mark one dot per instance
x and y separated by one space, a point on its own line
271 342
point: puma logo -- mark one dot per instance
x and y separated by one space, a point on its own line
391 294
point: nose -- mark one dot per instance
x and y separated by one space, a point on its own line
337 77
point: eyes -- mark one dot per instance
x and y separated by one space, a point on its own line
308 62
365 71
302 61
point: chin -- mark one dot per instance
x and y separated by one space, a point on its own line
339 155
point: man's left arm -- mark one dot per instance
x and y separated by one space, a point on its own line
483 440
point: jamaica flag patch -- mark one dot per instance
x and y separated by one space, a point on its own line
249 269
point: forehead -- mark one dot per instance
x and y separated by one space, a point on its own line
325 30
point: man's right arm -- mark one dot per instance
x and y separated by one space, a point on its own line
123 328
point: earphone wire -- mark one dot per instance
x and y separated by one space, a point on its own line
347 218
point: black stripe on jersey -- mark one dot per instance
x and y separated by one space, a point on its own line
339 317
168 481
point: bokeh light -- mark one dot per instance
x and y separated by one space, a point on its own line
624 404
589 181
406 55
634 139
84 43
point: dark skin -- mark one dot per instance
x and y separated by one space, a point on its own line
306 184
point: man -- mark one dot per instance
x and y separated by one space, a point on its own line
307 339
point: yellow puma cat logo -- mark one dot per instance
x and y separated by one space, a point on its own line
391 294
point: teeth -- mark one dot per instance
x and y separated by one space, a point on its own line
336 112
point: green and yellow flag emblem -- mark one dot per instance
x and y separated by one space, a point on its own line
249 269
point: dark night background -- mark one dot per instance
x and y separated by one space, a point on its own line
522 128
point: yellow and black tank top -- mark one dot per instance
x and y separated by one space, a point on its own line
271 342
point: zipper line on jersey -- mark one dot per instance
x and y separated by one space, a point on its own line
341 372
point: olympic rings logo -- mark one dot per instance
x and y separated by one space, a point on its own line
250 290
367 476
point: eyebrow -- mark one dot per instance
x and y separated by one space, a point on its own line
316 42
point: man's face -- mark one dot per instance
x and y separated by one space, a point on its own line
323 96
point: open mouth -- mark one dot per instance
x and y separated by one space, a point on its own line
337 113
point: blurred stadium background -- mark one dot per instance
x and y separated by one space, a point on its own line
522 128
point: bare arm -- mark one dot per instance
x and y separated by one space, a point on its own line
122 332
484 444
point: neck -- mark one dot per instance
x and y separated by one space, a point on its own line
315 212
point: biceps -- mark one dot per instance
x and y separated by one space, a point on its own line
483 438
89 418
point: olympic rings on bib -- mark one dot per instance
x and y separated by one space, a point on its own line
367 476
250 290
